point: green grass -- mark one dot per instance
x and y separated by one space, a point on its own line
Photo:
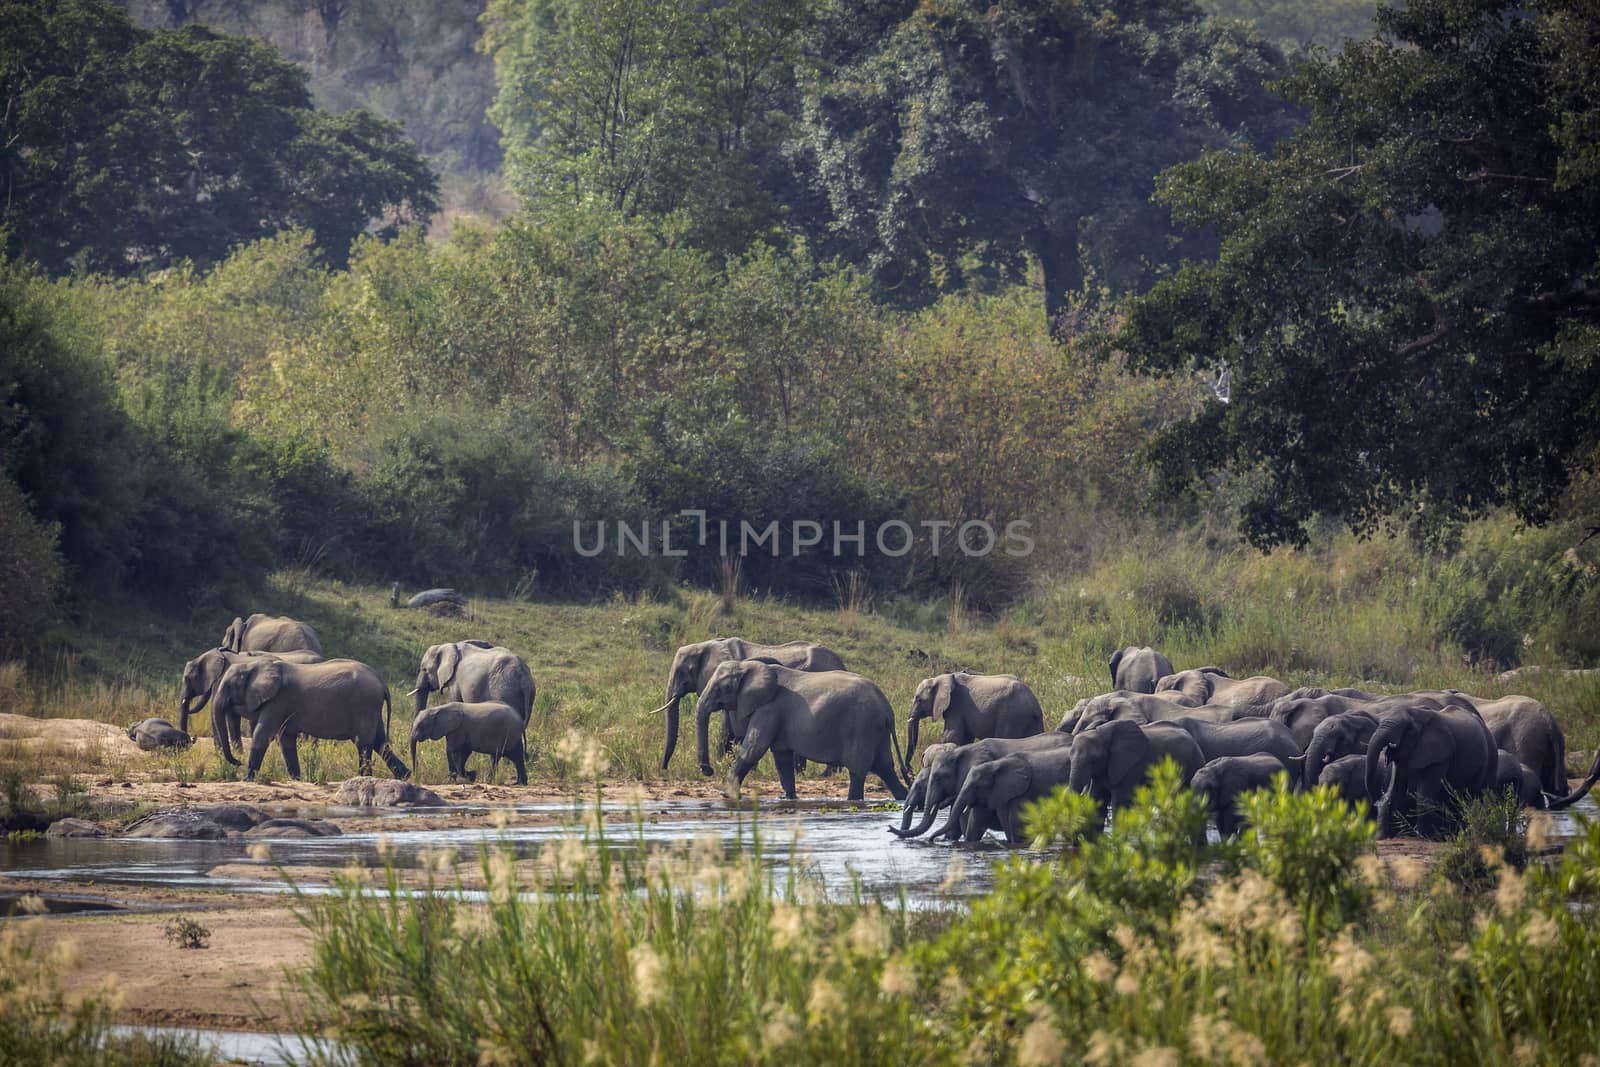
1348 612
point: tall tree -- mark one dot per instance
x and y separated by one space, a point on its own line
1407 300
650 106
958 140
126 150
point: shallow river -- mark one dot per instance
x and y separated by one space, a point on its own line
841 848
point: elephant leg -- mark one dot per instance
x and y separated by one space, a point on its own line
259 739
975 825
858 785
363 759
758 739
884 768
234 732
785 761
494 765
1434 808
518 762
290 743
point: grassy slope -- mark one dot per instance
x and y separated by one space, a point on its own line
1348 615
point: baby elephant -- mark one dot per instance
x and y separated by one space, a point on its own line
489 727
152 734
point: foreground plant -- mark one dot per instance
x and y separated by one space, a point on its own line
1142 945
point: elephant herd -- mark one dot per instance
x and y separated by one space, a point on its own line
270 671
1411 757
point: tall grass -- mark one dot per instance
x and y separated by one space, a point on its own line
1138 946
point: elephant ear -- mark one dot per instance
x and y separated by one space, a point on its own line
1128 748
1116 658
1012 776
265 682
449 660
943 690
760 682
233 636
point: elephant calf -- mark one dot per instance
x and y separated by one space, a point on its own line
489 727
152 734
1221 782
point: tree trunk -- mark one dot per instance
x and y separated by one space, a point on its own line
1057 249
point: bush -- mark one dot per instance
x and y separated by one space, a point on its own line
30 571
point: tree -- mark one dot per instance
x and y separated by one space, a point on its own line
959 140
651 106
1406 301
1328 23
127 150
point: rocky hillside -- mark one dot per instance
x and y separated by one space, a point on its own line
410 60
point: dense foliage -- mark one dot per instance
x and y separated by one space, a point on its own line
1406 295
1296 943
128 150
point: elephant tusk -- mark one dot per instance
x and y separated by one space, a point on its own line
658 711
412 693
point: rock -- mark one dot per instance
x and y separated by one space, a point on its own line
436 596
197 824
74 828
292 828
1557 672
385 793
153 734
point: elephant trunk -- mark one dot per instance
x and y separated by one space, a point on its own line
1555 803
702 723
422 691
671 705
219 731
1383 738
930 811
1316 758
911 743
914 800
958 810
1082 775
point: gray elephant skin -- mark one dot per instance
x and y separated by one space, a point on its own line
1335 738
270 633
828 716
1240 737
693 665
336 700
1432 750
973 707
1222 781
201 675
1111 761
917 791
1212 685
153 734
996 790
1303 710
1137 669
490 727
476 672
945 771
1347 776
1141 708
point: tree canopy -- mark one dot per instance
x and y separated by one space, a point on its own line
956 140
1406 299
129 150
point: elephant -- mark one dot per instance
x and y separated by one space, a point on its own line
1433 749
337 700
1222 781
201 675
995 790
917 792
270 633
476 672
1212 685
1335 738
1524 727
1555 802
1241 737
944 774
1134 707
491 727
829 716
1111 761
693 665
152 734
1511 773
1347 776
1301 714
974 707
1137 669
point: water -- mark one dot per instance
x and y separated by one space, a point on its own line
231 1046
841 848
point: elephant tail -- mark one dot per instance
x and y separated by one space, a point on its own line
388 714
1556 803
